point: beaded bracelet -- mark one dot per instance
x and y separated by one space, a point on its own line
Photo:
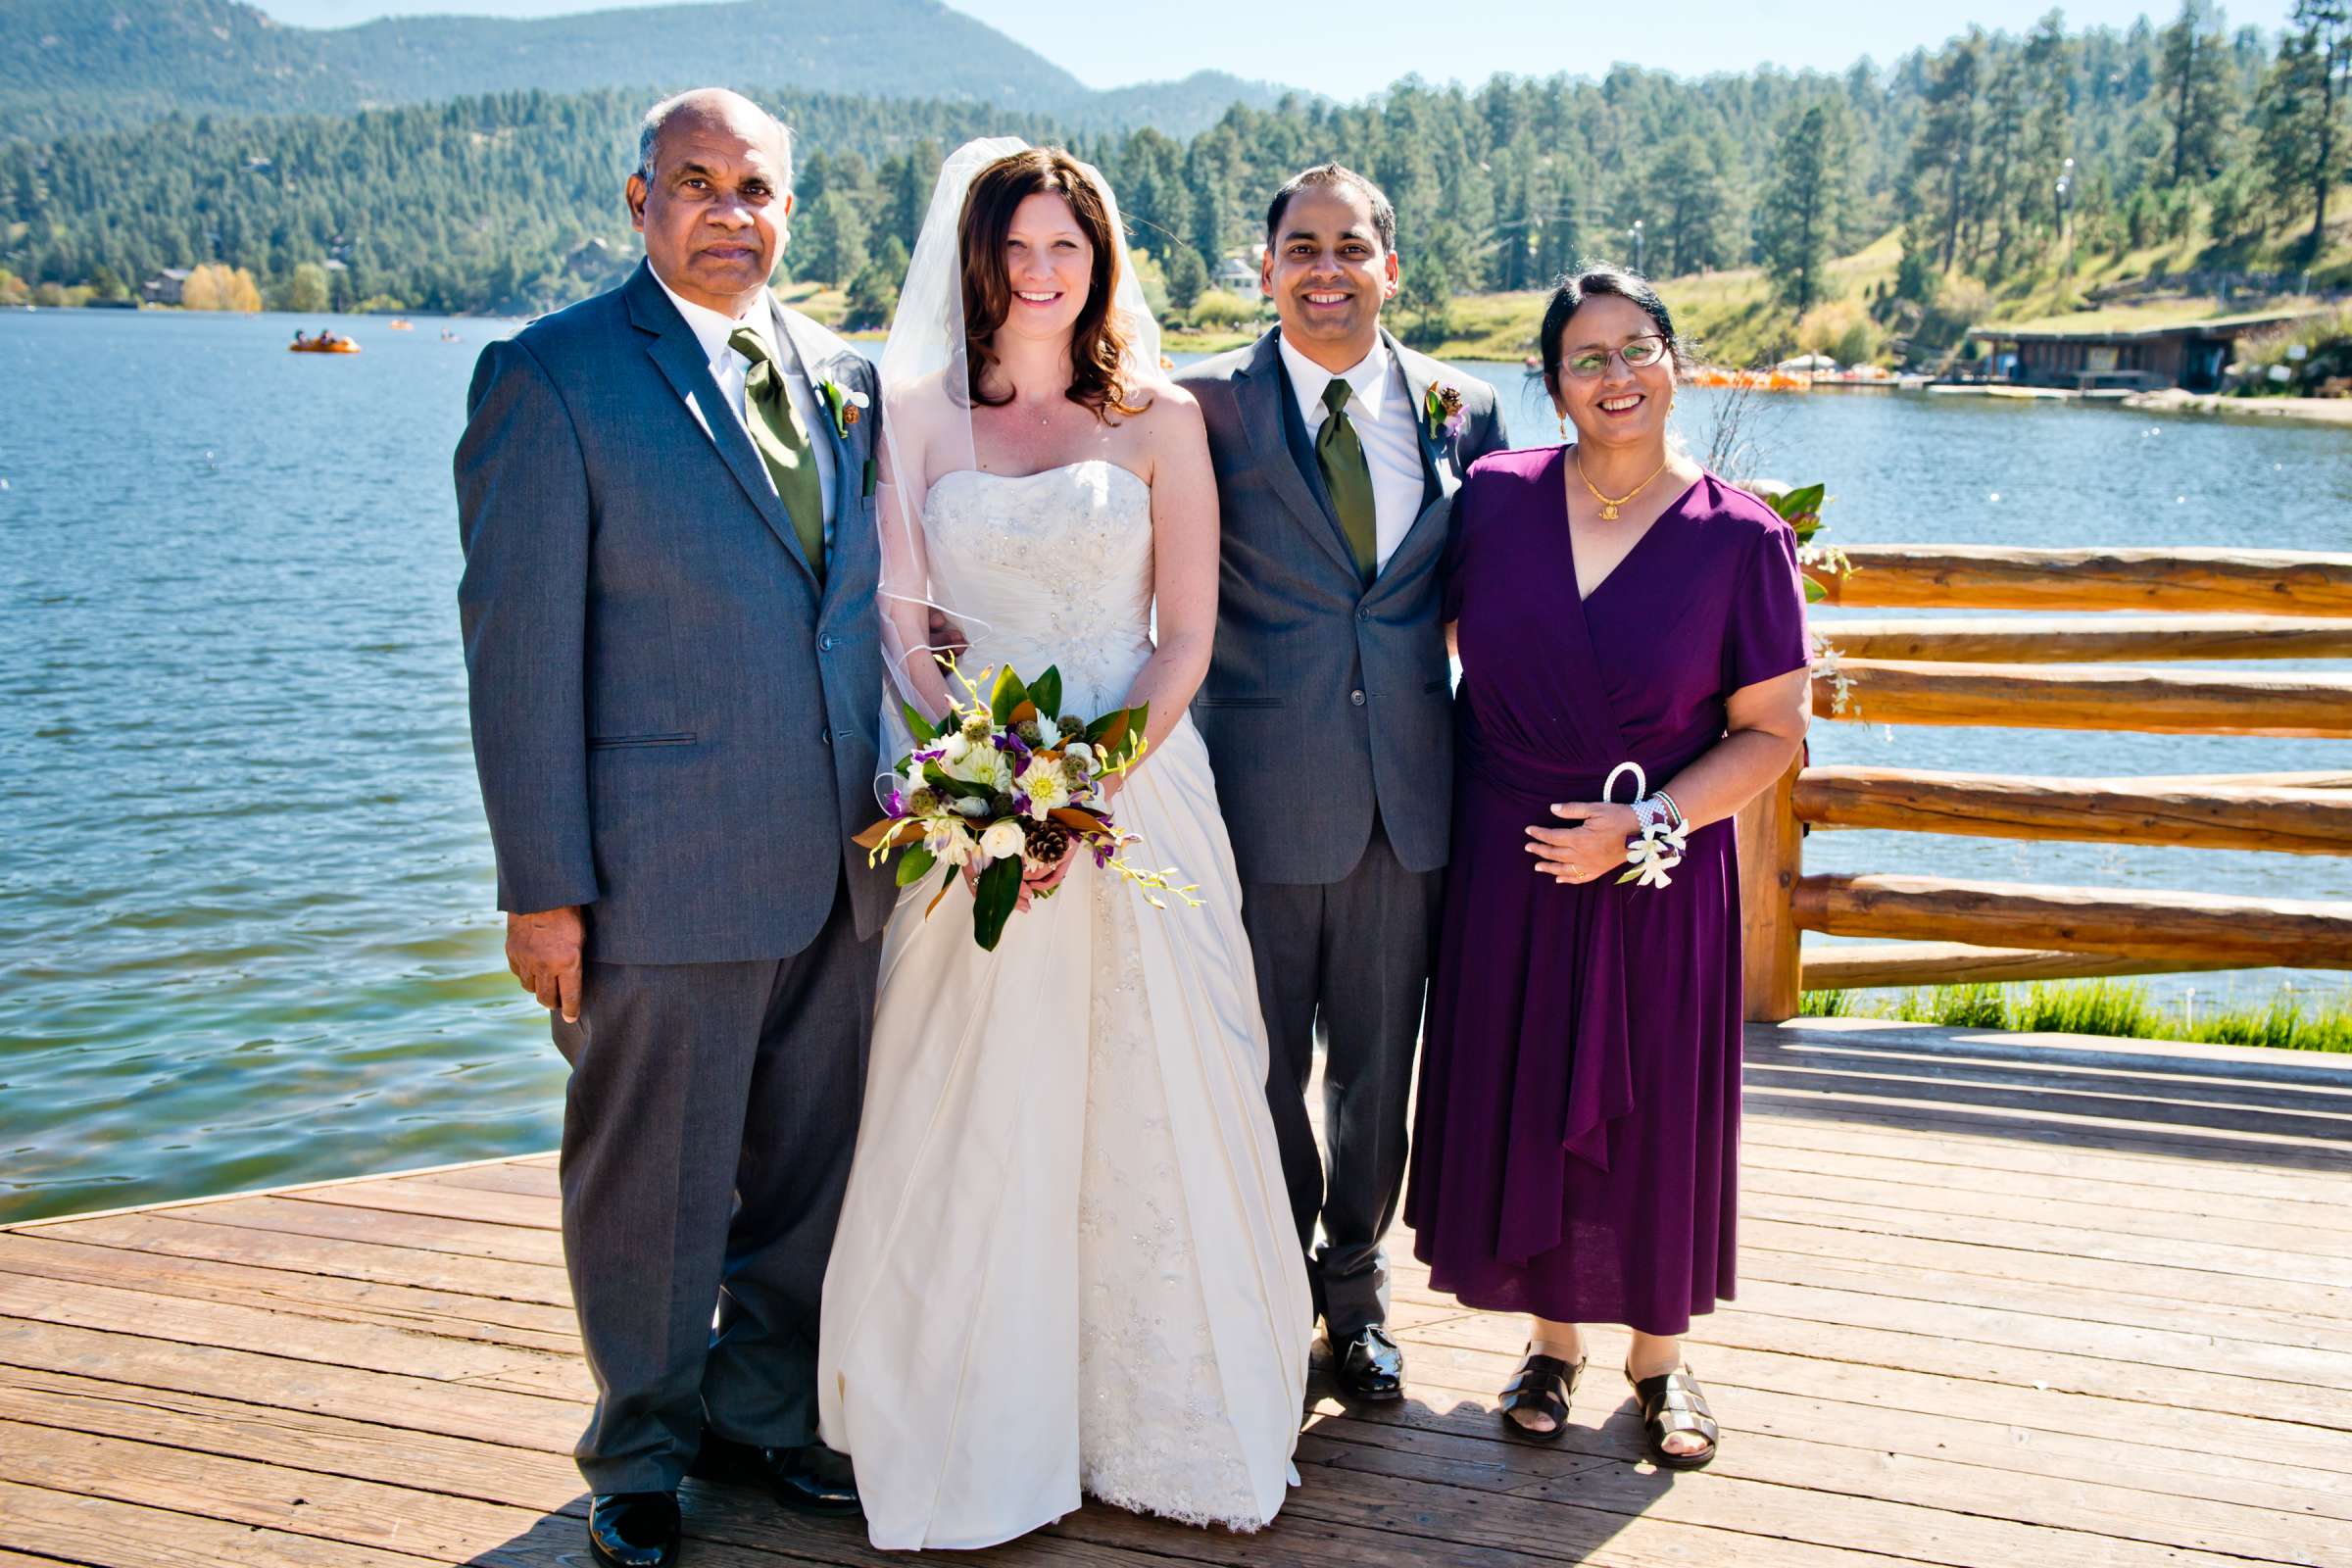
1658 848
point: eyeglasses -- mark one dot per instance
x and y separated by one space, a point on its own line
1638 354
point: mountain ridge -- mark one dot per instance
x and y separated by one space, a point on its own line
69 65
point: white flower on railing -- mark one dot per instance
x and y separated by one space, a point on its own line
1824 668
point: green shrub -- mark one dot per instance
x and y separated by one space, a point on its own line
2111 1009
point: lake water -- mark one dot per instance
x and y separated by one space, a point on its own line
246 925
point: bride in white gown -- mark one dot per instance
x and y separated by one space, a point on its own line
1065 1264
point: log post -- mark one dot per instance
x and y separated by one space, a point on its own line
1771 858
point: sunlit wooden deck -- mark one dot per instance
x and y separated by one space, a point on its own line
2005 1301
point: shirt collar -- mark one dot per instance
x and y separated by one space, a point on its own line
712 330
1368 378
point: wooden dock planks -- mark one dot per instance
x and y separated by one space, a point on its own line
2003 1300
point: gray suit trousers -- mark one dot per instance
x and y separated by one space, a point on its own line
1347 962
708 1130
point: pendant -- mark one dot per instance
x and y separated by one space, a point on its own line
1609 512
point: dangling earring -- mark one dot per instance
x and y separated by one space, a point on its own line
1563 427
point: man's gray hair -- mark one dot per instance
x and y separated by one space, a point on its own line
699 101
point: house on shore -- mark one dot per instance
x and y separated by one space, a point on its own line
1237 275
2190 356
166 287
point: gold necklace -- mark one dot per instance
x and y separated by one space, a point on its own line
1610 503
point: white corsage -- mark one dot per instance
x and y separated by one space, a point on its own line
1658 848
844 403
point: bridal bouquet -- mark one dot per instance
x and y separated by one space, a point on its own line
1006 784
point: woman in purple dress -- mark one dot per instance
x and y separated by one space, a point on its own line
1576 1154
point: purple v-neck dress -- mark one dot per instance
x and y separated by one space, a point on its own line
1576 1148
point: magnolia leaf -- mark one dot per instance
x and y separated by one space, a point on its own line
999 893
1010 695
1078 820
1119 735
916 724
1025 714
1126 741
913 865
945 883
890 832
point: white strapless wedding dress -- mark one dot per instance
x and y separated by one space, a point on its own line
1066 1261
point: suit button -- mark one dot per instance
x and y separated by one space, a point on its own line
825 644
1357 697
825 735
1362 614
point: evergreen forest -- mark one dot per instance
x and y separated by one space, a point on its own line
1997 161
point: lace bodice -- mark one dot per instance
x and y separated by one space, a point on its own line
1049 569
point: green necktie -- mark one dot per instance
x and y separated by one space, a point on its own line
1348 478
783 442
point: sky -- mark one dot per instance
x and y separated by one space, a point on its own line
1352 50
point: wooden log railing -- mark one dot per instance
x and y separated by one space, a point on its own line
2055 671
2127 923
2277 582
2085 638
2300 821
1857 967
2150 700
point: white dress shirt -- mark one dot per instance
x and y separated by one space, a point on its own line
1380 408
731 370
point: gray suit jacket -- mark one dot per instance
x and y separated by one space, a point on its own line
1326 699
674 723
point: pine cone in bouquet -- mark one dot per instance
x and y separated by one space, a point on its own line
1048 843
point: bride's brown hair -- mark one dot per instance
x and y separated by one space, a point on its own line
1097 343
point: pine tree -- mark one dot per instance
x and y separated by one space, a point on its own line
874 291
2049 65
831 245
1940 174
1434 273
1799 223
1692 229
2302 140
1187 275
2198 101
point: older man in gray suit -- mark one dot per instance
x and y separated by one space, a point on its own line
1327 711
665 498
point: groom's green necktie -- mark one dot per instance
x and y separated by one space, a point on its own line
1348 476
783 442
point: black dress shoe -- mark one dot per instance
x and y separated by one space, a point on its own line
811 1478
634 1529
1369 1366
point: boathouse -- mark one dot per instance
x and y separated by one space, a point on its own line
2192 355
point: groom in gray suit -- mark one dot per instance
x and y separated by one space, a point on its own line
1328 712
665 498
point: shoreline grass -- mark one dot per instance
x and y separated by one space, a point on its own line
2108 1007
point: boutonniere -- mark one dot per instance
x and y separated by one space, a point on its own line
844 403
1443 410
